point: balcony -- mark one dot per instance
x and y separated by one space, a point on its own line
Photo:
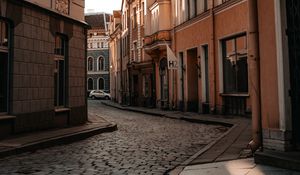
157 41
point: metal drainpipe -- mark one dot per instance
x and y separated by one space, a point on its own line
253 59
121 63
213 55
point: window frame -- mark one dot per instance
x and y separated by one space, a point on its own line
61 56
237 57
6 50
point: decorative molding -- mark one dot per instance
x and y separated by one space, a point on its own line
62 6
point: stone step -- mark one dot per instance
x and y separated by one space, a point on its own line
287 160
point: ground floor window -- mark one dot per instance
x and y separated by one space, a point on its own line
60 71
4 66
146 84
101 83
235 66
90 84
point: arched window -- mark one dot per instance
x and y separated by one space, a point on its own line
101 83
90 84
90 64
101 64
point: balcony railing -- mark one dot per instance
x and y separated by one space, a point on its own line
160 36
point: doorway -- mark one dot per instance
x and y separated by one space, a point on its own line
192 80
293 29
164 83
205 80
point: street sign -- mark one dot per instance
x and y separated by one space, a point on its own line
172 60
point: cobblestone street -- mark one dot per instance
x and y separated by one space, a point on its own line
143 144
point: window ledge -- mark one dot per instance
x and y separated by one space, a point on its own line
234 95
58 110
7 117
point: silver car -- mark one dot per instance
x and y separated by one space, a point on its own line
99 94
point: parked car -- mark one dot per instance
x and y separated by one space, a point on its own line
99 94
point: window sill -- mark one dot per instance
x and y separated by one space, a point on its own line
58 110
7 117
235 95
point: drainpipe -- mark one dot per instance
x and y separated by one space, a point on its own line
253 58
121 62
213 55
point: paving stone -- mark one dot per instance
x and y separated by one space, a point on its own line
143 144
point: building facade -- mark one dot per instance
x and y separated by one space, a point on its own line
279 45
42 64
210 42
235 57
136 67
115 30
98 52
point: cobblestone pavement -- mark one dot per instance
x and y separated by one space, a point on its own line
143 144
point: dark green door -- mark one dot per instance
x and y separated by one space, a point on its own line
293 32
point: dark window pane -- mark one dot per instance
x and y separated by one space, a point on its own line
242 75
101 83
61 87
90 84
235 67
3 81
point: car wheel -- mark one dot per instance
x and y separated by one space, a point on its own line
93 97
106 98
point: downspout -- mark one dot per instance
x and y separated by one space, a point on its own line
253 58
121 62
213 55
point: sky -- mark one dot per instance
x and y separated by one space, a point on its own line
102 5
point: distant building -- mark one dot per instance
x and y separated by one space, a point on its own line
98 52
42 65
116 64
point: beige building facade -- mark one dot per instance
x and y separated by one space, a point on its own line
115 31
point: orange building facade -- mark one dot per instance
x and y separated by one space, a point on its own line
234 57
279 74
209 39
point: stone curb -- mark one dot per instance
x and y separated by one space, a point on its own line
58 140
132 110
189 119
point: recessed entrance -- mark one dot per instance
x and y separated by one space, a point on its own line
293 23
164 83
192 80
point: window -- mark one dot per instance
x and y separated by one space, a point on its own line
4 78
146 89
155 20
135 51
134 18
218 2
101 84
100 64
90 84
90 64
142 13
235 66
60 71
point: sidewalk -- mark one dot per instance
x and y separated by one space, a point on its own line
42 139
235 167
231 145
